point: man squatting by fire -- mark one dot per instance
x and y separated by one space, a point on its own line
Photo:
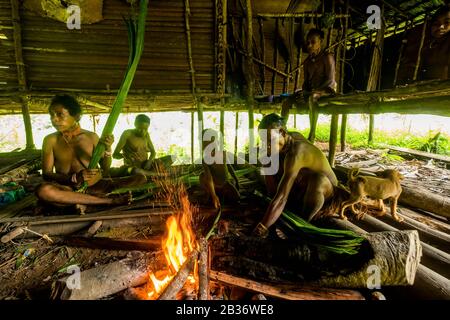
304 179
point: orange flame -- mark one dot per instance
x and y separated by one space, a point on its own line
177 244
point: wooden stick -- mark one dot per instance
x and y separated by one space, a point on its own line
262 41
286 291
275 57
149 244
104 215
203 284
180 278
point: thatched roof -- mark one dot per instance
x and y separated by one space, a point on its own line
91 62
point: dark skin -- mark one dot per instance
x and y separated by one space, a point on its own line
65 158
304 176
134 147
319 81
436 55
215 178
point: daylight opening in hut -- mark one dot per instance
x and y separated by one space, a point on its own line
229 150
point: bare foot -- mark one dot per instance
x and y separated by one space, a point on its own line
123 199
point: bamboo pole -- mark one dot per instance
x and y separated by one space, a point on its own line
333 138
21 73
275 57
249 74
263 54
198 104
419 53
297 15
221 27
299 62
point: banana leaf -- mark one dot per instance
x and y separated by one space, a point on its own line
136 34
338 241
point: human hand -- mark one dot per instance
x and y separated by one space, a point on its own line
90 176
216 202
107 141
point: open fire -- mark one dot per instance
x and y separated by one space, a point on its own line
177 243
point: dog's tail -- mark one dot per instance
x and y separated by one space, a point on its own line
352 174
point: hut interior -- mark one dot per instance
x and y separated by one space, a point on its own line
170 239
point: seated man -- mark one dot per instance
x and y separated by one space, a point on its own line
65 159
319 79
133 147
304 175
215 178
436 55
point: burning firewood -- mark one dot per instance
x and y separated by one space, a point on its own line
180 278
203 281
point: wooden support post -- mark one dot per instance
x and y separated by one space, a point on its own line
419 53
371 128
21 74
343 131
344 51
333 138
222 128
375 70
275 57
249 73
192 138
236 135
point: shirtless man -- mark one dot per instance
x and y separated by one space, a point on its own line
305 177
65 159
215 178
436 54
319 75
134 146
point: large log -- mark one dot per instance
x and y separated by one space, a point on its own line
397 255
107 279
428 283
286 291
413 197
433 258
425 200
435 238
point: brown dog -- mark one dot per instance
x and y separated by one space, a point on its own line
386 187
